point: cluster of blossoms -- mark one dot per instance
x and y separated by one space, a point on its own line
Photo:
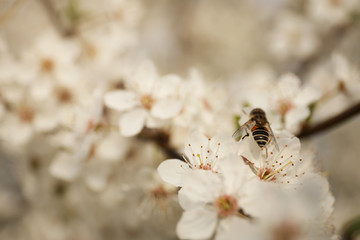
231 190
89 118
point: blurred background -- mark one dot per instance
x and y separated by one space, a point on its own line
115 193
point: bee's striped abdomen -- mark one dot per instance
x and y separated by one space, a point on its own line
261 136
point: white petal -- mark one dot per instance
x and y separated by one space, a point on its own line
132 123
145 77
223 145
232 227
307 95
288 85
167 108
284 137
96 183
64 167
46 122
154 122
96 176
185 202
121 100
315 196
171 171
235 173
201 185
197 223
295 117
168 86
112 148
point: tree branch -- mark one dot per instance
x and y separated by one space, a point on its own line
308 131
55 18
161 139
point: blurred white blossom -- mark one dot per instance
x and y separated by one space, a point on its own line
149 100
293 37
79 78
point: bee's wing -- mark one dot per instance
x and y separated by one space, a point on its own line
272 136
244 129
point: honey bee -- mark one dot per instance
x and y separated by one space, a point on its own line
260 129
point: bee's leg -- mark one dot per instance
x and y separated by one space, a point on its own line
266 152
246 135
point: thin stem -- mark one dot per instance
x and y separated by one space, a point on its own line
308 131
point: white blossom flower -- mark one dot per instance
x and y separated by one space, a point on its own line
208 197
287 102
283 166
339 80
159 197
302 214
200 152
50 56
346 75
81 180
102 46
148 100
293 37
65 167
331 13
203 109
16 129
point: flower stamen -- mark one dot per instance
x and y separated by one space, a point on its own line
226 205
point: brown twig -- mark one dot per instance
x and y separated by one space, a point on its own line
161 139
55 18
308 131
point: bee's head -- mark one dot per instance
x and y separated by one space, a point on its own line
258 115
257 111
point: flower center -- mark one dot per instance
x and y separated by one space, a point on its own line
90 50
64 95
275 169
226 205
335 3
267 173
47 65
205 166
206 159
147 101
284 107
160 193
26 114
